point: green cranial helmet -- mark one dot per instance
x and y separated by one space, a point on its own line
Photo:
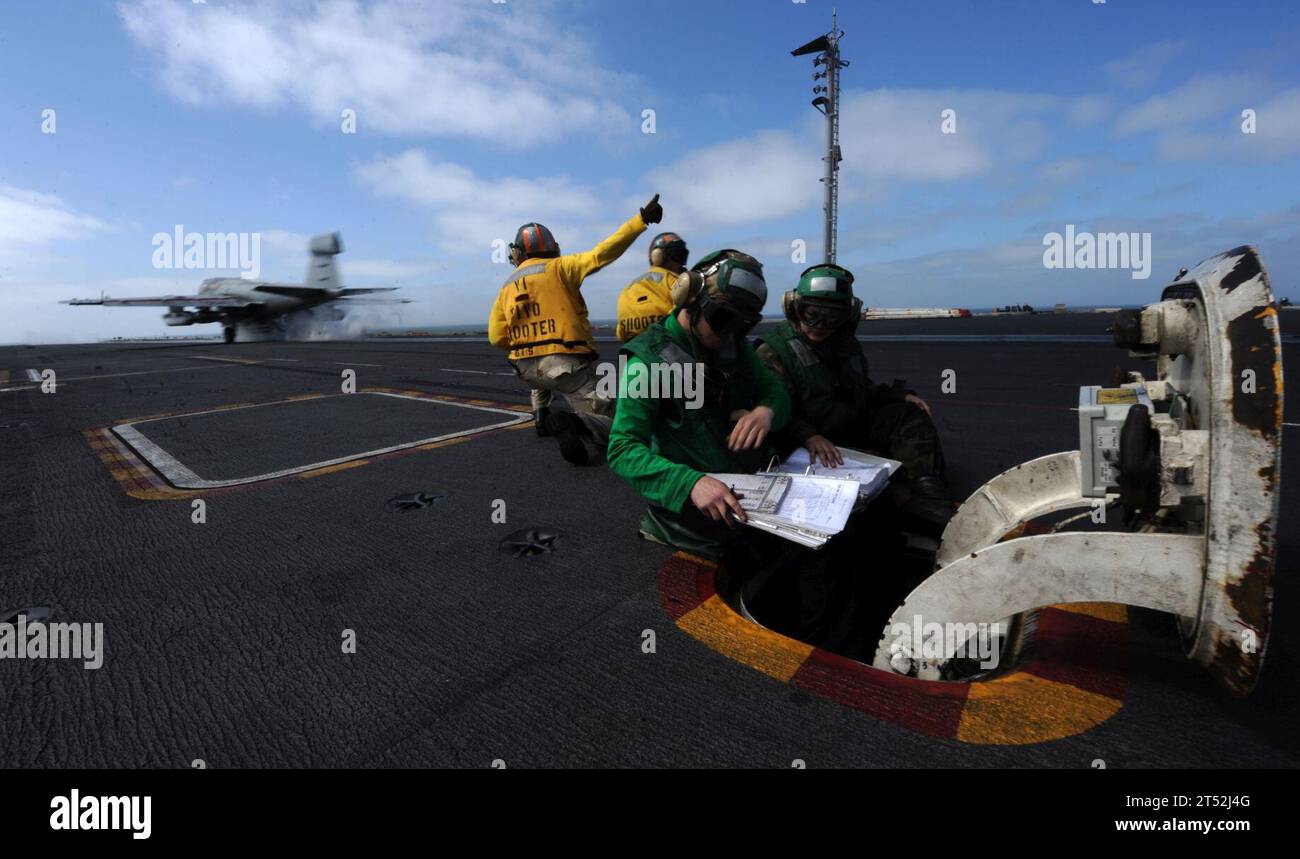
728 288
734 277
824 298
826 282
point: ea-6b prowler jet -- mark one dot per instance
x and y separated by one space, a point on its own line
255 310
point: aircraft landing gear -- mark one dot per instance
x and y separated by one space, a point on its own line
228 333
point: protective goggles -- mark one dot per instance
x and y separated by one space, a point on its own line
676 251
822 315
726 319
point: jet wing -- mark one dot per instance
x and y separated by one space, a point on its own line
312 293
165 301
346 301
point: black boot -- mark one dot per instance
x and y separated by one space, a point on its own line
930 500
569 431
540 417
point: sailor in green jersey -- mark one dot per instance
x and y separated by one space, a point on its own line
834 402
665 444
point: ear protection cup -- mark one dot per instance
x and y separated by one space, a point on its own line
657 258
789 306
685 288
857 315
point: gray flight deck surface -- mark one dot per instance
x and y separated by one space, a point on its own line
223 639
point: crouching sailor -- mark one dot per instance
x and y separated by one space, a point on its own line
540 318
834 403
665 445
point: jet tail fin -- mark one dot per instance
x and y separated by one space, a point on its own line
322 272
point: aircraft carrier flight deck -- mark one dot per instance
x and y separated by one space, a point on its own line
362 491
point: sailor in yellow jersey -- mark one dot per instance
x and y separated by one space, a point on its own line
540 318
647 299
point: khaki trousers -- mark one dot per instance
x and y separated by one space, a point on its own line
573 376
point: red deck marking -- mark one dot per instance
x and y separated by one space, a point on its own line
1073 680
923 706
1083 651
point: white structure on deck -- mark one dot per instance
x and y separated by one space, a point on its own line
1193 458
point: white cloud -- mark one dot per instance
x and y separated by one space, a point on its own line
29 219
1143 67
481 70
1089 109
889 137
1203 119
470 211
1277 133
893 136
1199 99
390 269
762 177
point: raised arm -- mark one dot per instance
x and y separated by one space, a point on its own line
574 268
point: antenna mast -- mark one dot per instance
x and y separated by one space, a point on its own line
826 67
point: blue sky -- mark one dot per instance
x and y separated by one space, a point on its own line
475 117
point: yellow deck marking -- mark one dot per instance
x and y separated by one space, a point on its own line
166 494
331 469
697 559
1113 612
1022 709
716 625
446 443
139 481
150 417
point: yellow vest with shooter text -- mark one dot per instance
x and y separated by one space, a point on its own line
543 315
540 310
644 302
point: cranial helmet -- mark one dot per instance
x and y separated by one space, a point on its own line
668 247
533 241
824 298
728 289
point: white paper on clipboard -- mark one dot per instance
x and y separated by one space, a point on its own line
811 510
871 472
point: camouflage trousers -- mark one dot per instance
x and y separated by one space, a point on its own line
574 377
901 431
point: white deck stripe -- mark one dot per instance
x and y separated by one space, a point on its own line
183 478
63 379
245 361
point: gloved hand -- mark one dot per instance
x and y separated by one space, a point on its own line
652 212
